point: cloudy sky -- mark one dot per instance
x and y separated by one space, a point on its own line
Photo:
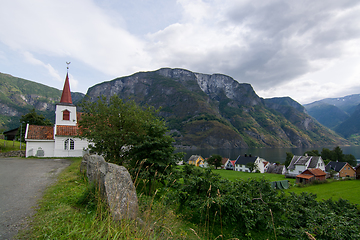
305 49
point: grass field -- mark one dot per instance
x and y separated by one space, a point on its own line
6 146
346 189
349 189
232 175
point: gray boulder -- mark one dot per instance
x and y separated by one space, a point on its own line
115 185
96 171
120 193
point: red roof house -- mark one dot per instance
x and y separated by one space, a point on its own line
310 175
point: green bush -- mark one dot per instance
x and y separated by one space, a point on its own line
238 209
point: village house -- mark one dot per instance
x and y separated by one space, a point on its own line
299 164
11 134
276 169
223 162
242 161
310 175
342 169
230 164
61 139
357 169
198 161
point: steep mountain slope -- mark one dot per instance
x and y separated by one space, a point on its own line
339 114
328 115
18 96
215 111
346 104
333 111
350 126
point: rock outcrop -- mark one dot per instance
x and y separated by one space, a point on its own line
115 185
216 111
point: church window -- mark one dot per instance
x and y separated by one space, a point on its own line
66 115
69 144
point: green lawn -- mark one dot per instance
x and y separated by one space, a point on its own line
349 189
232 175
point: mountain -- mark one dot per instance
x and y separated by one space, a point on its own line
333 111
351 126
18 96
347 104
215 111
339 114
327 114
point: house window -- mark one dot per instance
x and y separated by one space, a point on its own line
69 144
66 115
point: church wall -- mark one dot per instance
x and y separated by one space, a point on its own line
79 146
40 148
59 115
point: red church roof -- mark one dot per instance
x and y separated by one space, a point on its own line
40 132
66 94
66 130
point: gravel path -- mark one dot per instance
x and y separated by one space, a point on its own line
22 182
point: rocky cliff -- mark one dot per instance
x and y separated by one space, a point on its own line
215 111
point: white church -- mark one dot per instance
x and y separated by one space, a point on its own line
59 140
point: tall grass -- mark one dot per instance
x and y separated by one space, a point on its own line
74 209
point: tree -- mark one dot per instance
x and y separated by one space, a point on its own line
312 153
289 157
130 135
326 155
215 160
338 154
349 158
251 166
32 118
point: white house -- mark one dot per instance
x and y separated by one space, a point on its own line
59 140
299 164
229 164
241 161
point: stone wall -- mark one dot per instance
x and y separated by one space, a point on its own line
18 153
115 185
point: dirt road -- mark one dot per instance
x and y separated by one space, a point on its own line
22 182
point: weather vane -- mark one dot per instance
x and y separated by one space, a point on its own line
68 63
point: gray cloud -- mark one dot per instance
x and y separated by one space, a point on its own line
271 44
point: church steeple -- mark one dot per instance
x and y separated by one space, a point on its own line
66 94
65 112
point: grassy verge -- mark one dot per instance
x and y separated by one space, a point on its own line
72 209
6 146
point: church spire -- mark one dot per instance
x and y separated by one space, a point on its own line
66 94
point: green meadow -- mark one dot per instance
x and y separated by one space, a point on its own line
335 189
232 175
345 189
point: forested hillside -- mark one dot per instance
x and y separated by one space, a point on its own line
18 96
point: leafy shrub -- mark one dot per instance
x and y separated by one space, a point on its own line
239 208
